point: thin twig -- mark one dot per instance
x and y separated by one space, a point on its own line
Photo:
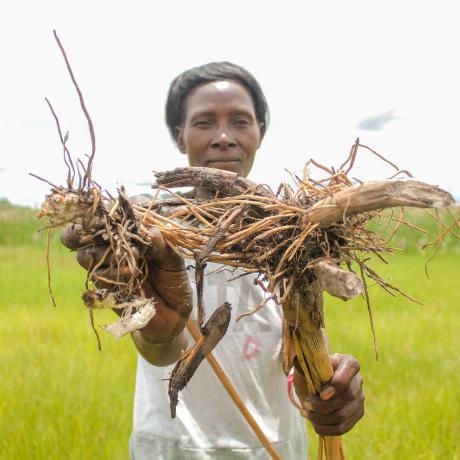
48 266
83 106
369 310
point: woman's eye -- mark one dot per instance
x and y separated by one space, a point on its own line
241 122
203 123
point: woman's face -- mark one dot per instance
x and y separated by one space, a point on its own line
220 128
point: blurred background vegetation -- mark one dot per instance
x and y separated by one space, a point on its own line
63 399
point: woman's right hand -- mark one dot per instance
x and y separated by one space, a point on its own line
167 282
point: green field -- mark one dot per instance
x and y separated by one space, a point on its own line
63 399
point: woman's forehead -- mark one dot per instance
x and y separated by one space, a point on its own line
223 85
221 93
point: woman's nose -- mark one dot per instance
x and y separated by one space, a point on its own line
223 139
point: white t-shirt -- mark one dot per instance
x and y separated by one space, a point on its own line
208 425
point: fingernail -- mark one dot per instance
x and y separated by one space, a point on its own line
307 405
328 393
303 413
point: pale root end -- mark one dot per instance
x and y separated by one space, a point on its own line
133 322
337 282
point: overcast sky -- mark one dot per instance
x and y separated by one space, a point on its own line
332 71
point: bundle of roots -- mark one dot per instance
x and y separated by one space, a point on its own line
304 232
306 237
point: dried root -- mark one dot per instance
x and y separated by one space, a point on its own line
214 330
337 282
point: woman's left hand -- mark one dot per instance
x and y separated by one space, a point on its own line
340 404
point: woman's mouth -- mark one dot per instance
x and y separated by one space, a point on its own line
223 160
229 164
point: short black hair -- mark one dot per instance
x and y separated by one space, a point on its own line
214 71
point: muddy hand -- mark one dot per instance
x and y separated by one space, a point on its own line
340 404
167 282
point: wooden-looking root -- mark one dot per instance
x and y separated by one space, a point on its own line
214 330
377 195
303 311
337 282
226 182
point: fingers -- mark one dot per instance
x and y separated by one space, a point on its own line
352 393
341 403
317 405
104 270
343 422
74 237
336 416
345 368
160 254
70 236
339 416
90 256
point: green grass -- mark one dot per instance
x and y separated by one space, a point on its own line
20 227
412 240
62 399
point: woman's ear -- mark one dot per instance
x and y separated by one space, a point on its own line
262 132
179 131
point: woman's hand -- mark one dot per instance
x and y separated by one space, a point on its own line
167 283
340 404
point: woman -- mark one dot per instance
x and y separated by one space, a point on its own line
217 115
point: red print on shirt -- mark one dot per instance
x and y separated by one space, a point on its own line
251 348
